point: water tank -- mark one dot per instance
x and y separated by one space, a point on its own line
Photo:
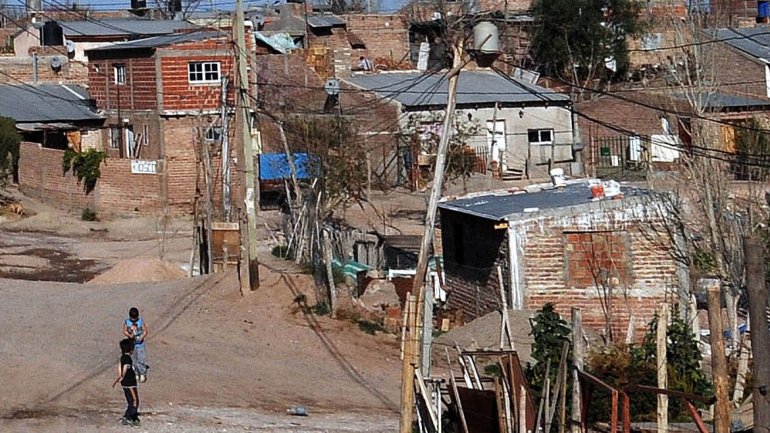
486 38
52 34
138 4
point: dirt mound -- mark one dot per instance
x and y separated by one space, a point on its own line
139 271
484 333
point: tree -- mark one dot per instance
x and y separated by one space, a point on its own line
9 148
584 39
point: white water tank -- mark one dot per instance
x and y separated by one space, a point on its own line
486 38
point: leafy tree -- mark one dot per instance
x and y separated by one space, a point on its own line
549 332
9 147
85 166
584 38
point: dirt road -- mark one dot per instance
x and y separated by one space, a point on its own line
219 361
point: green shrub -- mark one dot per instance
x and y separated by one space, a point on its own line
370 327
84 165
88 214
321 309
281 251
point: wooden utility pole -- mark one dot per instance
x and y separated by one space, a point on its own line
424 312
578 348
718 359
246 155
760 337
662 368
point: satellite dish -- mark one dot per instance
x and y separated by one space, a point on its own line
332 86
258 20
70 46
55 63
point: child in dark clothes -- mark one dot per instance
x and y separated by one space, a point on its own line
127 379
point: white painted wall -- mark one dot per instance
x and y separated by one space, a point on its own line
517 123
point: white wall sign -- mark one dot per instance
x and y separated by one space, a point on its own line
139 166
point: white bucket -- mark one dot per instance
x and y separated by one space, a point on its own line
557 177
611 188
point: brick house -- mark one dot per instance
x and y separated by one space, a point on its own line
618 130
522 127
158 94
558 245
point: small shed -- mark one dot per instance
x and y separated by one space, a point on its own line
612 257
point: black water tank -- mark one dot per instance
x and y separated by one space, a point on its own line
175 6
138 4
53 34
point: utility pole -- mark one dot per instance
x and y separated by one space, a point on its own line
718 358
224 136
250 187
424 309
760 338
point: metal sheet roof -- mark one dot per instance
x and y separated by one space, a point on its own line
506 205
128 27
28 103
320 21
720 100
160 41
479 87
754 41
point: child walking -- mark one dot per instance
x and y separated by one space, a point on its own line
135 329
127 379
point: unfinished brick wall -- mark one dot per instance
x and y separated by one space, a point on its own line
472 251
15 70
117 190
139 91
180 136
650 274
386 36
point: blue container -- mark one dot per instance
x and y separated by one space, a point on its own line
763 9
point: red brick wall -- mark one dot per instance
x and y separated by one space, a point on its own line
117 190
138 93
180 136
178 92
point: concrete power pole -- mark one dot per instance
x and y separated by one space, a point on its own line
760 337
250 187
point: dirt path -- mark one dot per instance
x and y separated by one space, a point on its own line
219 361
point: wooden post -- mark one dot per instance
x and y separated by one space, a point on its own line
760 340
718 359
563 396
577 360
407 371
246 156
438 181
661 367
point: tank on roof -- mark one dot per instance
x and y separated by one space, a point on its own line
52 34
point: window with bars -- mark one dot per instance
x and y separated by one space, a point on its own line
203 72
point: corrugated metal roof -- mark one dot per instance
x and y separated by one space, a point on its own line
320 21
754 41
27 103
723 100
498 207
480 87
160 41
128 27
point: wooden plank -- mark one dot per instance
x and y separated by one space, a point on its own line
500 401
626 413
426 398
456 400
696 417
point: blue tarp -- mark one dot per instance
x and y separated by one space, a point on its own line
275 166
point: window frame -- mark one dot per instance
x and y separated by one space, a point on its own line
540 141
198 76
119 73
213 134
